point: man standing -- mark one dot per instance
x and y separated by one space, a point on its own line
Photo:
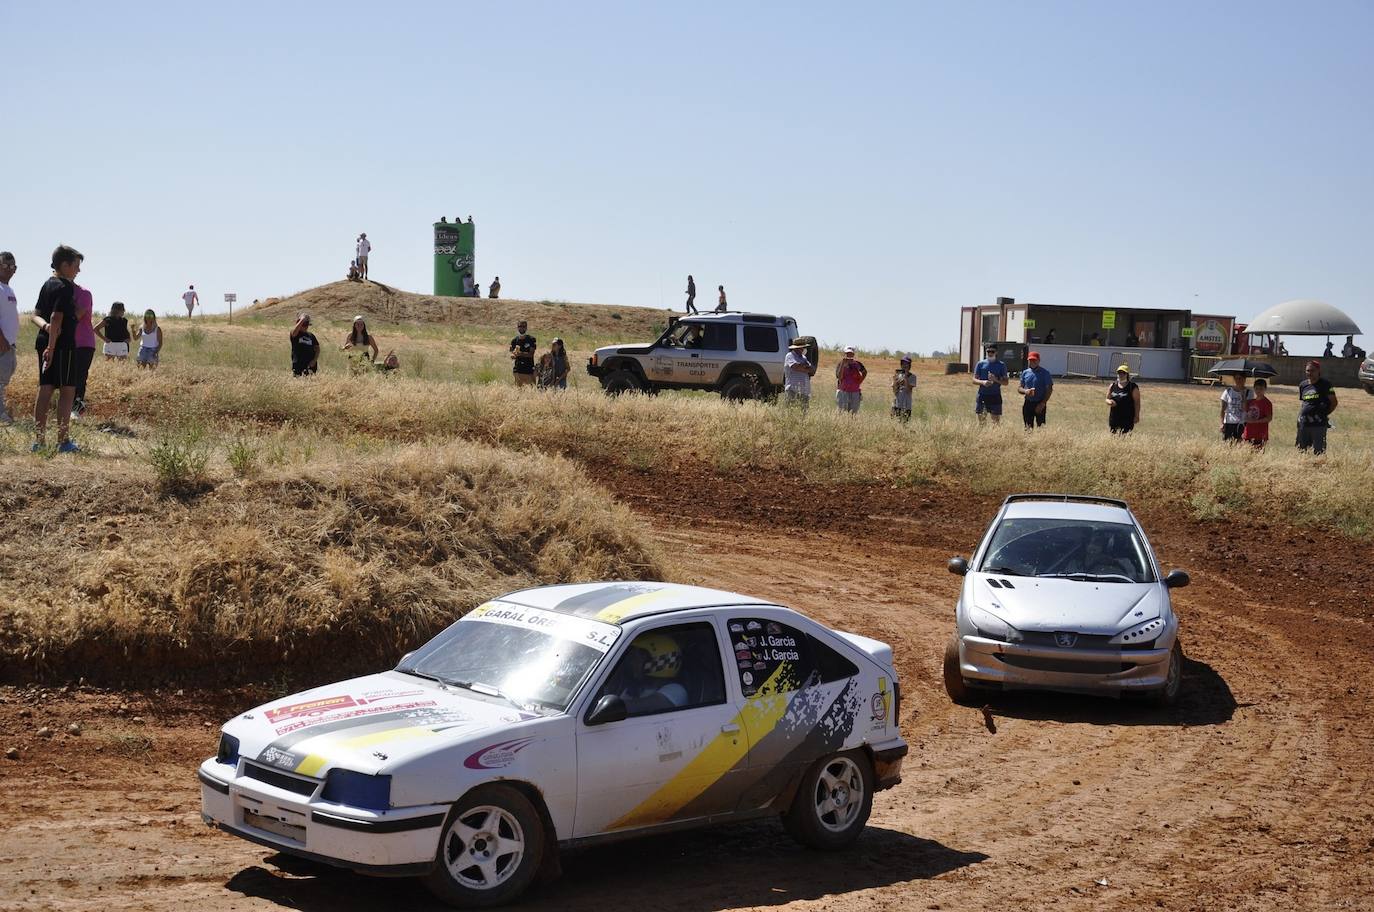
522 349
305 348
364 248
495 291
989 375
797 371
55 317
1316 402
190 299
691 295
1037 386
850 374
9 329
903 382
720 307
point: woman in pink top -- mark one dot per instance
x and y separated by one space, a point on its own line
85 347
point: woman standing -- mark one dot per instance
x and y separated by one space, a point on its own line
553 367
114 329
149 337
1123 397
85 347
359 337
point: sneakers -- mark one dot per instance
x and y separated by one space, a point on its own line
68 446
37 448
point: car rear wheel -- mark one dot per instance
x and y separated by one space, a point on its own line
490 848
1173 680
621 381
1369 388
742 387
833 802
956 687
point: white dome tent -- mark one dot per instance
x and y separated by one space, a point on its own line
1304 317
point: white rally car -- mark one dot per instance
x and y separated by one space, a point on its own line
560 716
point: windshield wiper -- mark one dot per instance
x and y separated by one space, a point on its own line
422 674
489 690
1003 571
1087 577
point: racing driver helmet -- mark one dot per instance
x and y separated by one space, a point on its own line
664 658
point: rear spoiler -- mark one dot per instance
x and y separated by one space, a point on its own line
1068 498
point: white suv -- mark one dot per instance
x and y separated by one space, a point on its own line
1064 593
738 355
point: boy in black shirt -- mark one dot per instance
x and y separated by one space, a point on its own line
1316 400
55 317
522 349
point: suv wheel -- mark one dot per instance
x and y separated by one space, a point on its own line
741 387
1369 388
621 381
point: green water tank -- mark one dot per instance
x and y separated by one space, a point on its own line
454 243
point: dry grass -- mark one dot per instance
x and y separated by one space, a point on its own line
321 568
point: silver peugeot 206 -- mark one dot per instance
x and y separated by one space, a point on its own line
1064 593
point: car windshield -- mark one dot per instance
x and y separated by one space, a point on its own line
684 335
1070 549
534 659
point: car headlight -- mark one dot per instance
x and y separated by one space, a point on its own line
991 626
358 790
1140 635
228 752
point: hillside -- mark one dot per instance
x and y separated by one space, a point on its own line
341 300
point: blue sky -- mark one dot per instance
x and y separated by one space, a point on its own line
868 168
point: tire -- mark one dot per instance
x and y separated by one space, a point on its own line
489 850
1369 388
816 819
621 381
741 388
955 685
1168 694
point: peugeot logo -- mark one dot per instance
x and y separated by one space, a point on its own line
1065 639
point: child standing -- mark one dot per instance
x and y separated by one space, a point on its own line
150 340
1233 402
903 383
1259 411
114 331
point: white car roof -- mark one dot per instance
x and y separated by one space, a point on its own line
615 602
1050 509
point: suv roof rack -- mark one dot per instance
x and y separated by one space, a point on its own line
1067 498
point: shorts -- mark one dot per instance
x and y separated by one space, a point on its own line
300 370
148 355
117 349
1232 431
61 372
849 401
524 379
988 404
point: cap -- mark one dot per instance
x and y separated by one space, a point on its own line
1124 369
305 315
906 359
556 342
1035 355
1313 363
849 349
358 318
990 347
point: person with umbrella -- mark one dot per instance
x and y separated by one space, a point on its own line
1317 400
1234 399
1123 399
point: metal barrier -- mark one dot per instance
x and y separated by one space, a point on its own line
1130 359
1200 364
1083 364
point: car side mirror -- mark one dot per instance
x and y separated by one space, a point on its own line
610 708
958 566
1177 579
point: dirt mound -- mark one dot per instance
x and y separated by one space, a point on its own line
342 300
314 572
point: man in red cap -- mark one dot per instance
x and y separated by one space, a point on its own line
1316 401
1036 388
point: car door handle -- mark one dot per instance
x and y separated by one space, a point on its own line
695 355
730 729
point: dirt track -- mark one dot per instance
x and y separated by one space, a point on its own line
1253 793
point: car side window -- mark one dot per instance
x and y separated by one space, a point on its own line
792 659
667 669
721 337
760 339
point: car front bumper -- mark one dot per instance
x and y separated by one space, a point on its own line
1015 665
396 842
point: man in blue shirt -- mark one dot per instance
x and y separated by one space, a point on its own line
990 375
1036 386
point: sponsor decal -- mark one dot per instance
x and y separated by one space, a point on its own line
753 626
592 633
774 629
746 663
747 678
743 645
743 654
359 712
312 708
497 756
737 627
280 758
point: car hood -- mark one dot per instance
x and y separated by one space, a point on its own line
1058 604
373 723
629 348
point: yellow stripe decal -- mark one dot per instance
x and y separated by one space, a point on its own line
313 762
612 614
759 716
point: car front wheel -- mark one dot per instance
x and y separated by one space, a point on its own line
621 381
833 802
490 849
1173 680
